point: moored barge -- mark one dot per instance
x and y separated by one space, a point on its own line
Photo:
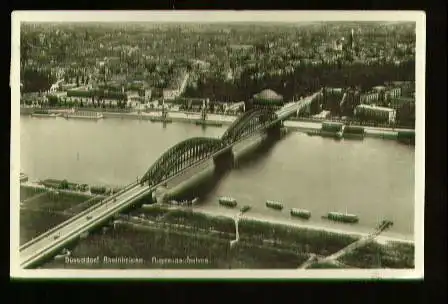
227 201
160 119
211 123
84 115
274 205
300 213
342 217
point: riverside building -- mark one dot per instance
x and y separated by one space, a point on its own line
377 114
267 99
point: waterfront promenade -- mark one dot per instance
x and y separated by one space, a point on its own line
220 119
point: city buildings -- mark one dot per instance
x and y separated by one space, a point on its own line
393 93
120 66
370 97
177 86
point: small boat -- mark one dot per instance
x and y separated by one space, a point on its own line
301 213
208 123
45 114
274 205
245 208
227 201
23 178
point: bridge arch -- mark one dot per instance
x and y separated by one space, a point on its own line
179 157
247 123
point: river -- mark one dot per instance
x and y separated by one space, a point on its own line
373 178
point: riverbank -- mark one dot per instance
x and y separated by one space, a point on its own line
226 213
72 188
162 231
382 239
305 239
46 210
219 120
313 128
37 185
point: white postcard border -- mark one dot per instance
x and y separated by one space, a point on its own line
219 16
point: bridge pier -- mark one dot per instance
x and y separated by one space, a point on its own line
275 131
224 161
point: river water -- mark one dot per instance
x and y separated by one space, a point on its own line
373 178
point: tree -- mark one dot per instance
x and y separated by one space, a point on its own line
64 184
52 100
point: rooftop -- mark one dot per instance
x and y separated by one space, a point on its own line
379 88
268 95
376 108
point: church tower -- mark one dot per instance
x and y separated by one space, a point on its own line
352 40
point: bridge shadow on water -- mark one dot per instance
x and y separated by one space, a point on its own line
202 186
256 155
205 185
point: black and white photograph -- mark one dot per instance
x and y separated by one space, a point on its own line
217 144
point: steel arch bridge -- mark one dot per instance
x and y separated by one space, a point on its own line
180 157
189 151
247 123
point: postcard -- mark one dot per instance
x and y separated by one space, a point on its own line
217 144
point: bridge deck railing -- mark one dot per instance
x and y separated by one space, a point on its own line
75 217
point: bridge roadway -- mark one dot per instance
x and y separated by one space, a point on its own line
295 107
46 243
55 238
